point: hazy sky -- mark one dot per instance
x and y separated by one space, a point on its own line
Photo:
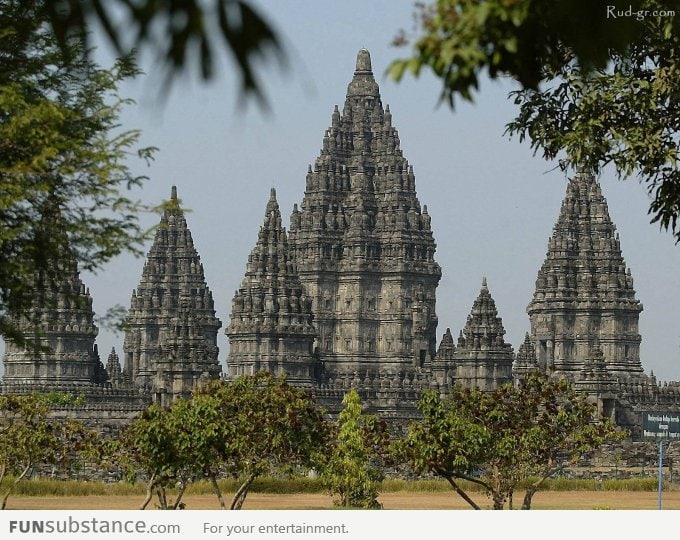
493 204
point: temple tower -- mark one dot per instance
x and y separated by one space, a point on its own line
584 296
525 362
482 358
114 370
60 332
271 320
443 367
363 245
172 294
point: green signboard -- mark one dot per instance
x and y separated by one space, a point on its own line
661 425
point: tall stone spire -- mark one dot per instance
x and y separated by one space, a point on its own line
271 320
483 359
584 295
362 244
60 332
173 283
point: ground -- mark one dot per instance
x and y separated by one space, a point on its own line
564 500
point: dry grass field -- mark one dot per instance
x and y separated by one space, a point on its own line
560 500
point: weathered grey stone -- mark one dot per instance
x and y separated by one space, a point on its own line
346 299
171 327
363 247
59 328
482 358
584 293
271 319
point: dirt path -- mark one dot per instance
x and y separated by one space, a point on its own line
565 500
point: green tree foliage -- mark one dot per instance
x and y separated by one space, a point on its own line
174 446
352 469
63 158
627 115
157 444
600 79
180 34
273 427
497 439
253 426
458 40
31 439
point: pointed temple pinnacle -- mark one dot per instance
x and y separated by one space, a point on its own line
272 194
173 193
363 61
363 83
484 282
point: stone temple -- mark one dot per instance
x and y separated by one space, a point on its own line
346 298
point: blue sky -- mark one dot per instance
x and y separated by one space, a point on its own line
493 204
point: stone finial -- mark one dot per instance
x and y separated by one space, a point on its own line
363 84
173 193
363 61
484 286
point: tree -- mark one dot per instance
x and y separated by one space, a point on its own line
253 426
174 446
271 426
600 80
31 439
157 443
351 470
525 433
448 441
181 34
63 159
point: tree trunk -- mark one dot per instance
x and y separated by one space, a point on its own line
497 494
526 505
162 501
531 491
242 493
11 487
218 491
462 493
510 492
178 499
149 492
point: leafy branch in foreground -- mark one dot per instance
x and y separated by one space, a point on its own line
460 40
65 183
184 34
627 115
